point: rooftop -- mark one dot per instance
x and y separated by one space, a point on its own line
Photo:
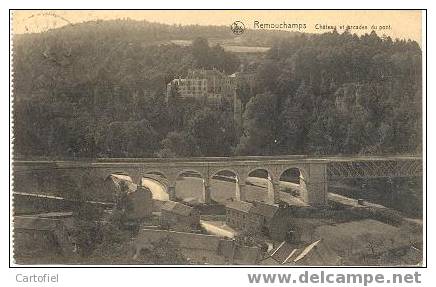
264 209
314 254
201 73
240 206
283 252
177 208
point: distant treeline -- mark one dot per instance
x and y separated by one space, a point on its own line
98 90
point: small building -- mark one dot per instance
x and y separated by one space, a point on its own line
262 217
258 217
178 216
140 203
237 214
135 201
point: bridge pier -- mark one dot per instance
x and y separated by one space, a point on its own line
172 192
275 192
316 194
206 192
270 192
316 186
273 195
241 191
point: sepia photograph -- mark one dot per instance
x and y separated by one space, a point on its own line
217 137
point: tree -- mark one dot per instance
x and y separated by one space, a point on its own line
326 131
213 132
267 75
178 144
213 57
93 90
260 133
164 251
131 139
244 93
142 139
375 243
201 53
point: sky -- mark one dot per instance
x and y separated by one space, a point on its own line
403 24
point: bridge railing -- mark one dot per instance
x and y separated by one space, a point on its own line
375 169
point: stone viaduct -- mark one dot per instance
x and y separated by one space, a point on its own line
314 172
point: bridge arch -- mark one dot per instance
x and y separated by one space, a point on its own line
190 185
224 185
158 183
107 175
188 171
268 169
155 172
158 176
302 169
213 172
292 180
259 180
260 172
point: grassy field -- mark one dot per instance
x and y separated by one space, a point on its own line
233 48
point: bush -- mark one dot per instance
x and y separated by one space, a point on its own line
165 251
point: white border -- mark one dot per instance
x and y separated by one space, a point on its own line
193 277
